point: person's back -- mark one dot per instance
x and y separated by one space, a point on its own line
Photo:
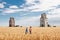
30 29
26 31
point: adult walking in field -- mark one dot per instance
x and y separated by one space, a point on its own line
30 30
26 31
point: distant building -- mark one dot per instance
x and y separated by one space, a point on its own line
54 26
43 20
17 26
11 22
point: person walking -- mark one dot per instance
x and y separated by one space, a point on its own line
30 30
26 31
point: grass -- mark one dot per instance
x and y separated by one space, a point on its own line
38 33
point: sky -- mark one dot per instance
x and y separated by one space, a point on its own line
28 12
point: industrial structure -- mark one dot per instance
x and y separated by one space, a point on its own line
11 22
43 20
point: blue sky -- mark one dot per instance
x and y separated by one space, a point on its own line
28 12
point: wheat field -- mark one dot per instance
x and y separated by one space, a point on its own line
38 33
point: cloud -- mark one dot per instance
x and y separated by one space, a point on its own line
12 10
32 1
54 16
1 5
29 1
34 6
54 13
13 6
41 6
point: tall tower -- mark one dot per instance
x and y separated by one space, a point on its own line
11 22
43 20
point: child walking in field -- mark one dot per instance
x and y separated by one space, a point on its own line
30 30
26 31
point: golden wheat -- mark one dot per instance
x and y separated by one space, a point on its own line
38 33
